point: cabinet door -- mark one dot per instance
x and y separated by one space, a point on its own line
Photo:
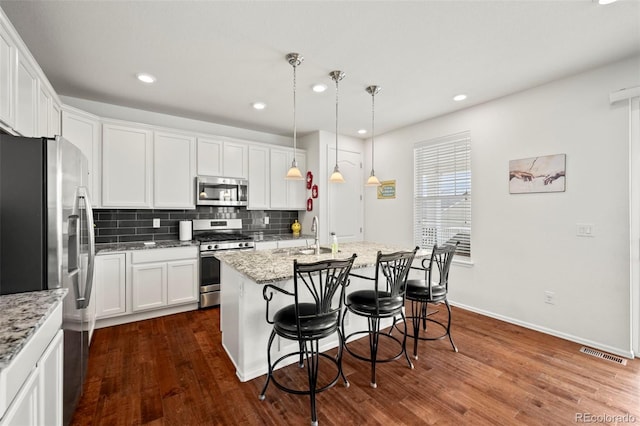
83 130
209 157
297 189
278 170
51 380
25 406
44 106
110 286
259 188
173 171
7 67
126 166
235 160
26 98
182 282
149 286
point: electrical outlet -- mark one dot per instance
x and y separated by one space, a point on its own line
266 220
156 222
585 229
550 297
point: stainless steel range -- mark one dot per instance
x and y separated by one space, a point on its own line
215 235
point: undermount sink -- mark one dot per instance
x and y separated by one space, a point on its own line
301 251
311 250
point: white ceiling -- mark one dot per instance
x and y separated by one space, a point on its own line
213 59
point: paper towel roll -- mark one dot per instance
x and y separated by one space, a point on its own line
185 230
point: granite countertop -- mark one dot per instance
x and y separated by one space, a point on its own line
142 245
21 315
267 266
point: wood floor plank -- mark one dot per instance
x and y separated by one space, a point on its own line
174 371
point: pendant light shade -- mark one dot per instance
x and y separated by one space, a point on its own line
373 91
336 176
294 172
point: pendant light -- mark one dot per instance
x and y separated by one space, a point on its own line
373 91
294 173
336 176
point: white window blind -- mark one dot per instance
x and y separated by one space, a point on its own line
442 192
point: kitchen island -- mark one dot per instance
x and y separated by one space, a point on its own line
245 331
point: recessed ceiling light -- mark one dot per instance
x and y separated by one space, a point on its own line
362 131
606 1
259 105
319 88
146 78
459 97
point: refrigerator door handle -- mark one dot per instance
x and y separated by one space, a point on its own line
84 194
73 264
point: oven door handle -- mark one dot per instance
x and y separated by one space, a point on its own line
207 253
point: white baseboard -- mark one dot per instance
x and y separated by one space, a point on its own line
627 353
140 316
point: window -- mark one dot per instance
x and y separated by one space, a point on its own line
442 192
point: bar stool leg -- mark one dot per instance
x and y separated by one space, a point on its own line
270 372
374 336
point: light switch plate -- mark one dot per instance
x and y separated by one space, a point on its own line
585 230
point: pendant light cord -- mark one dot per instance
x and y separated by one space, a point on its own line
373 132
337 79
294 113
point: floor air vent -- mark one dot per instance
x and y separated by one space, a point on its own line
603 355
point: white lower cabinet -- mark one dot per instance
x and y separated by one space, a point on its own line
39 400
180 278
163 277
110 285
149 285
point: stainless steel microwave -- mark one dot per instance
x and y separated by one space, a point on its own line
221 191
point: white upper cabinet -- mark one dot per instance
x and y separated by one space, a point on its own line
222 158
26 98
7 82
286 194
55 119
173 170
259 188
209 157
44 111
126 166
83 130
235 161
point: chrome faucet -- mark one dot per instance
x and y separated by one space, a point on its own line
314 229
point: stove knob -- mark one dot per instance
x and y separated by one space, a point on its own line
246 244
216 246
209 247
240 245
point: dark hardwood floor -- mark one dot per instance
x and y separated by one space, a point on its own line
174 371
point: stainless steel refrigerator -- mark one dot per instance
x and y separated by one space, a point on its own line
47 238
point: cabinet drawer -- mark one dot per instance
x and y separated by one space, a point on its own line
164 255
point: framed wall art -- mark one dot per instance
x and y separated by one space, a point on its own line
537 174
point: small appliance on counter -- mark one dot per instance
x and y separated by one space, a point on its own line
186 230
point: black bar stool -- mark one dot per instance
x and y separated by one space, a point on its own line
318 292
385 300
433 289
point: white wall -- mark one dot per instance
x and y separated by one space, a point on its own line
524 244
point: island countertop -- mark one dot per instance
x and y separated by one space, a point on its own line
268 266
21 315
